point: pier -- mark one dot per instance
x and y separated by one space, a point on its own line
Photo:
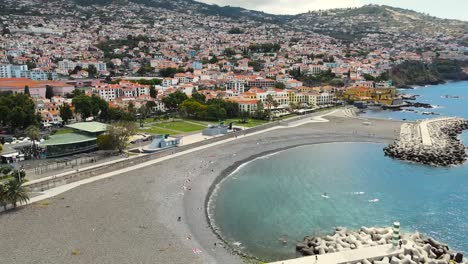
374 246
433 142
349 256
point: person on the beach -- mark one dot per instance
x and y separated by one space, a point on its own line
399 242
179 218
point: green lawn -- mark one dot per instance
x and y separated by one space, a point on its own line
181 126
185 126
64 131
157 131
173 128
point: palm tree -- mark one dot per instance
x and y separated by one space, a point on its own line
3 196
16 192
271 102
33 133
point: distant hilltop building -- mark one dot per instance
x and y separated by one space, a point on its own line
21 71
68 65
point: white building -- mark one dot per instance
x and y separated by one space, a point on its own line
237 86
5 70
71 65
21 71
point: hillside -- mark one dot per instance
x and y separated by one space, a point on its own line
190 6
355 23
418 73
348 24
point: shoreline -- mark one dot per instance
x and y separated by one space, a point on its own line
226 173
82 213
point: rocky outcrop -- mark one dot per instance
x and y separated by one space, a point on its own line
415 247
433 142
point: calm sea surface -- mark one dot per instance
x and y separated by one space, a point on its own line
434 95
279 197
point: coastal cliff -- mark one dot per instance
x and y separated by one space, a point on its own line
432 142
439 71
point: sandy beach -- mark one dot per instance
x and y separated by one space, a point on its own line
133 217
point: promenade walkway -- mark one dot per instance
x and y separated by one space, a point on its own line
349 256
48 184
424 130
425 135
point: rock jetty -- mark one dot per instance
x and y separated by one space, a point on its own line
416 247
432 142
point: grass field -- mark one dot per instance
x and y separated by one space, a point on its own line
173 127
182 126
188 125
157 131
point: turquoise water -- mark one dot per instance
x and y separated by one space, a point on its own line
280 197
433 95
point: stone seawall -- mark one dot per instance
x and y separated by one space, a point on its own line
415 248
432 142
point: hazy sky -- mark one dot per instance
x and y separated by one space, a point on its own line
441 8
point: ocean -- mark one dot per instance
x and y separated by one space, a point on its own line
269 204
450 99
280 197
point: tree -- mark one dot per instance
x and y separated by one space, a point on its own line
66 113
244 115
201 98
119 135
3 196
82 104
99 107
153 92
271 102
150 105
215 112
260 112
49 92
92 71
168 72
193 108
103 142
235 30
173 100
26 90
143 111
131 108
16 192
368 77
75 93
280 85
33 133
229 52
17 111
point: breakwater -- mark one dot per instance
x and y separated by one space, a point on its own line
433 142
415 248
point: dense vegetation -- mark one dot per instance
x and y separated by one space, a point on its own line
131 42
265 48
17 111
213 109
419 73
